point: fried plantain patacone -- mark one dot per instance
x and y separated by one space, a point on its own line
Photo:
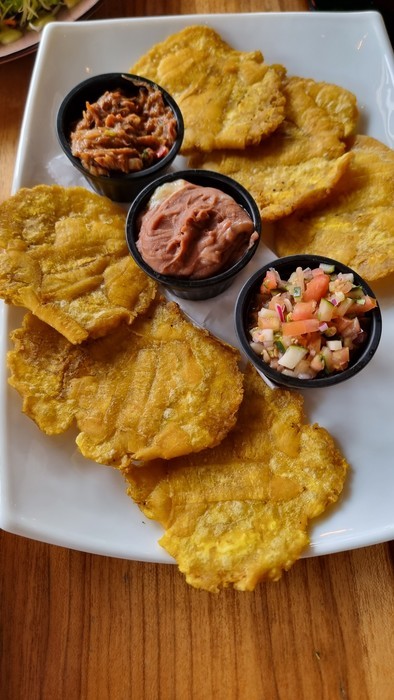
157 388
239 513
301 162
64 257
356 223
228 98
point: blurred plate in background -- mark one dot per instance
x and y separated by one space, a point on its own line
29 41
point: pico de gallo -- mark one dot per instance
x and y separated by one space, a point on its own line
310 324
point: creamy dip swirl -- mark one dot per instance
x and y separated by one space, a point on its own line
192 231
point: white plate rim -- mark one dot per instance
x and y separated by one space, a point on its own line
10 518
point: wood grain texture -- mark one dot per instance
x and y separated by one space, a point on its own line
74 626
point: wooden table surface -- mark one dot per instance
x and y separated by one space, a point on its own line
75 626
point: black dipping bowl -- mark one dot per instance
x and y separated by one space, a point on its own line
285 266
194 289
120 187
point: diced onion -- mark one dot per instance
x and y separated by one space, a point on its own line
334 344
292 356
280 312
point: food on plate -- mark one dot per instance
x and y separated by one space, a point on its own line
64 257
172 397
239 513
193 231
339 103
356 223
228 98
124 133
310 324
157 388
297 166
229 467
42 364
17 16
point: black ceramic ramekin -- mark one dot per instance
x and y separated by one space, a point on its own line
285 266
186 288
120 187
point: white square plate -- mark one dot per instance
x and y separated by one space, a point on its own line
48 491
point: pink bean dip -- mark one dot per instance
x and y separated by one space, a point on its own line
192 231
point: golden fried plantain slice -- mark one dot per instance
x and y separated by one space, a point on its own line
238 513
228 98
41 365
157 388
339 103
295 167
356 224
64 257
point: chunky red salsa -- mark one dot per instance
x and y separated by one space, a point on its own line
123 133
311 323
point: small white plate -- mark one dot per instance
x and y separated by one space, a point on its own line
48 491
30 39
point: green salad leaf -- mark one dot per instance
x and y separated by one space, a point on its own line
17 16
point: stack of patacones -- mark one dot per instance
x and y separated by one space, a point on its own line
211 453
291 141
228 467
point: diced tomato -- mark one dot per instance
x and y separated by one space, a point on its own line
303 368
353 329
311 324
360 309
269 281
161 151
342 324
315 343
269 322
294 328
343 307
317 271
316 288
303 310
340 358
317 363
